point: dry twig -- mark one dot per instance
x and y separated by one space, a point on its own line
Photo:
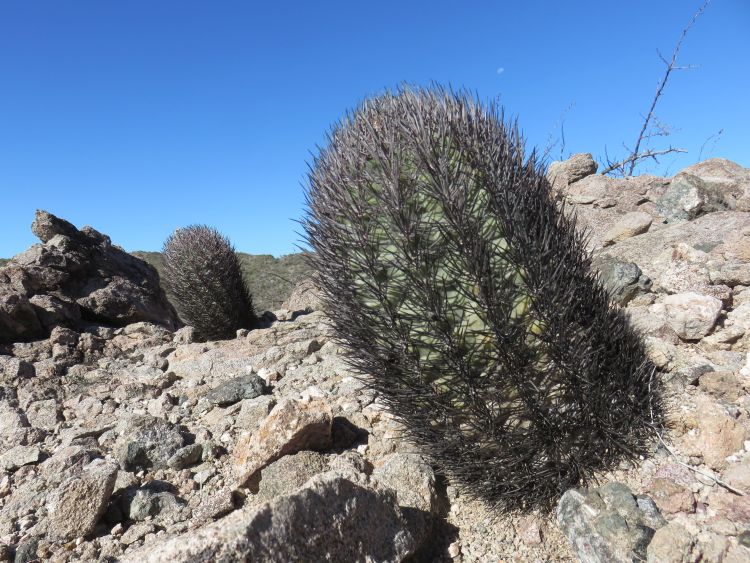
716 480
635 155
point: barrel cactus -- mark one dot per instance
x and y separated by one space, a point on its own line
202 274
463 295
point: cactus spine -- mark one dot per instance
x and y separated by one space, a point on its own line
464 296
202 272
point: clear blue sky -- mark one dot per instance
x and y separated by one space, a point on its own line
137 117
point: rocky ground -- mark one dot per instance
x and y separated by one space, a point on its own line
122 439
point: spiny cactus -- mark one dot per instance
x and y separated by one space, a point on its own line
202 272
464 295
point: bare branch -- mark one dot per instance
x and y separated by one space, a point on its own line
716 136
560 121
672 65
633 158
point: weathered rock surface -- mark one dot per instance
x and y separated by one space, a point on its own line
330 519
608 524
291 426
76 506
74 278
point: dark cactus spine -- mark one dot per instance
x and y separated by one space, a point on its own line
464 296
202 273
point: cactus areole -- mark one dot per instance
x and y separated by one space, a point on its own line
463 294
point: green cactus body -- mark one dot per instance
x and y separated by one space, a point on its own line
464 297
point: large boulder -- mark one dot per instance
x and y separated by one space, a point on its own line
329 519
76 277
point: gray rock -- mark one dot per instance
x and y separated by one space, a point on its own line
18 456
146 441
151 502
704 233
330 519
185 457
46 226
623 280
13 368
728 180
608 524
80 501
237 389
286 475
43 414
685 199
26 552
413 480
74 275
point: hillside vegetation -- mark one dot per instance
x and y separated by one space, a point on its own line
270 279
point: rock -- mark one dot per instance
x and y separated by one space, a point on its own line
686 198
412 478
253 411
414 482
671 544
234 390
80 501
711 433
216 505
670 497
43 414
146 441
737 554
692 315
292 426
721 384
578 166
630 225
305 297
13 368
286 475
185 457
136 532
26 552
18 319
731 274
608 524
18 456
660 352
623 280
151 502
704 234
46 226
729 181
738 476
330 519
185 335
75 275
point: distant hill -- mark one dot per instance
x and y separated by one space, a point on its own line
3 262
270 279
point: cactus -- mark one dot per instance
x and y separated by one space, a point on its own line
463 295
202 273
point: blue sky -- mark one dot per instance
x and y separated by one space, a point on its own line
139 117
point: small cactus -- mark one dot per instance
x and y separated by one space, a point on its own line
202 273
464 296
